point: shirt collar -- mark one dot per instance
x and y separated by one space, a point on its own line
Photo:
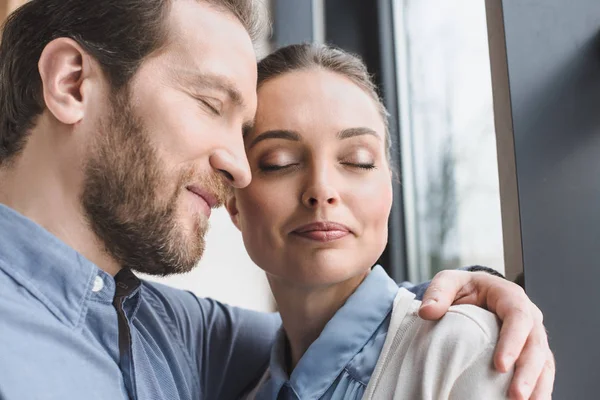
342 338
58 276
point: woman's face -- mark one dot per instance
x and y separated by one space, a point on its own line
317 208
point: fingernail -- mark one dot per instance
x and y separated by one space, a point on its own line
428 302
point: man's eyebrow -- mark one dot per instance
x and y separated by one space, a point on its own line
353 132
276 134
216 82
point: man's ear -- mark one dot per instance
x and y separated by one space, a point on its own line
231 206
64 68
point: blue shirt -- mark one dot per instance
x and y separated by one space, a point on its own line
68 330
339 364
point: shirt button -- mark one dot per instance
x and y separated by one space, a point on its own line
98 284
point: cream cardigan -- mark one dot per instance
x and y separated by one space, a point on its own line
447 359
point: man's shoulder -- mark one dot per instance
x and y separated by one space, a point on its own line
179 307
229 344
167 296
189 312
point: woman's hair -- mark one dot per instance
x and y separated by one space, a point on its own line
304 56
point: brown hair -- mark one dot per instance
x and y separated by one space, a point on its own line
303 56
119 34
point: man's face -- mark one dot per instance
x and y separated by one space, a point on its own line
171 140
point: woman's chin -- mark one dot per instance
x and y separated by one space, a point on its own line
318 275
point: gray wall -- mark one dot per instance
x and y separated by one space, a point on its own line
547 102
293 21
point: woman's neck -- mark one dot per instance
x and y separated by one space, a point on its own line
305 311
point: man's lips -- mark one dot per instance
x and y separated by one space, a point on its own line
323 231
210 200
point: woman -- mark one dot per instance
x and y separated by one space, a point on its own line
315 219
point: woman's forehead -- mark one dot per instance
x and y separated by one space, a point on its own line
315 98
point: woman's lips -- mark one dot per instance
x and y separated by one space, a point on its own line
322 231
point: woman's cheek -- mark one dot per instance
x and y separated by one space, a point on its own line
373 198
264 200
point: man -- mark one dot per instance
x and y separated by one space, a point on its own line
120 125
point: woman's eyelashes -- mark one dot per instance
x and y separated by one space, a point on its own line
360 158
361 165
285 160
276 167
290 166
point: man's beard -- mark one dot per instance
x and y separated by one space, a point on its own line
126 203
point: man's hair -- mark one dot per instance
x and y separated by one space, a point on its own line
119 34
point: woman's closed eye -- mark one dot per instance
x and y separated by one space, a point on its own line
360 165
360 158
278 161
276 167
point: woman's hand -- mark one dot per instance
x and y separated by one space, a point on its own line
523 341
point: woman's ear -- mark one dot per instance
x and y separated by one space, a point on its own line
231 206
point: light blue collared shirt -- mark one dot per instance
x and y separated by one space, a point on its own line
339 364
62 336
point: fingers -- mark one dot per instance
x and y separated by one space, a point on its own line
544 386
442 292
516 328
519 318
530 365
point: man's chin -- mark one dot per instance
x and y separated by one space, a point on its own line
188 251
178 256
192 219
167 270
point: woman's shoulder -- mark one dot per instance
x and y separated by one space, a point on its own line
465 331
462 323
472 321
450 358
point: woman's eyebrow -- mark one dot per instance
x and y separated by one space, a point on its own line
353 132
276 134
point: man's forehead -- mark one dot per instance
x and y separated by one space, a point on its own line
204 22
210 47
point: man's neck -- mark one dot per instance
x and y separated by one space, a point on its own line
47 192
306 311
